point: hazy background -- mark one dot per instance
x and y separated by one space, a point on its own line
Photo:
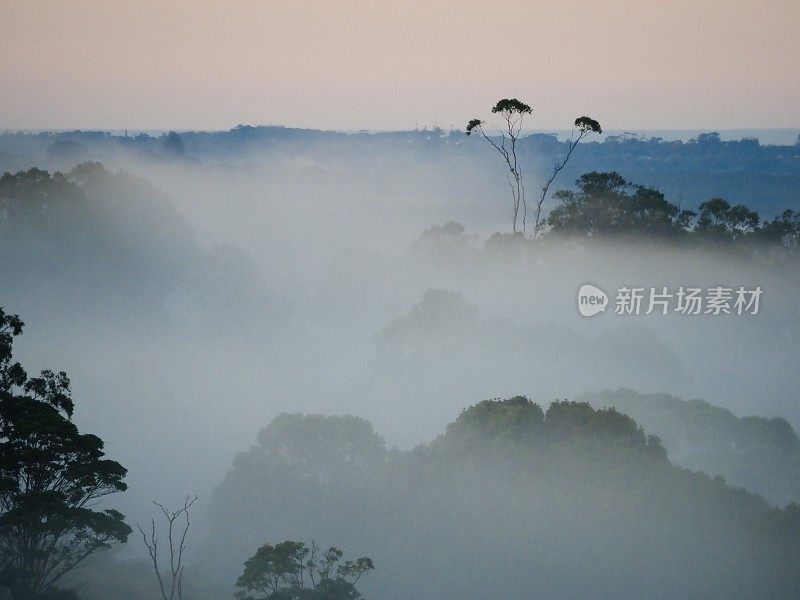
217 285
287 280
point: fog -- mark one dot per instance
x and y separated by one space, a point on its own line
309 280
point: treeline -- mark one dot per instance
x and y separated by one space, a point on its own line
707 149
606 205
692 171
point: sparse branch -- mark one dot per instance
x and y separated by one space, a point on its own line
584 126
513 113
152 548
176 541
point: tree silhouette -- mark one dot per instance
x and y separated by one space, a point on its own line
170 583
513 113
50 477
292 570
605 204
584 126
718 220
173 144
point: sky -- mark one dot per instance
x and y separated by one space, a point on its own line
349 65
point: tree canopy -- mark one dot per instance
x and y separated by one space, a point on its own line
758 453
570 501
293 571
606 205
51 476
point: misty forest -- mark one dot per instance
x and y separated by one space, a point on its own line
276 363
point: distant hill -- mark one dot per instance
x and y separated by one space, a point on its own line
760 454
103 241
766 177
571 502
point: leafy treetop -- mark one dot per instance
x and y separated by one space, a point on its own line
293 571
50 477
511 105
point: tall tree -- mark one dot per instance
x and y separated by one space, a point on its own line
513 113
51 476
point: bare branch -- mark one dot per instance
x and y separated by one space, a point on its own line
571 145
177 547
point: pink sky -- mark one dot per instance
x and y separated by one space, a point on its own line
390 65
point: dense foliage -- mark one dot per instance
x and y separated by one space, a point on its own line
606 205
293 571
51 476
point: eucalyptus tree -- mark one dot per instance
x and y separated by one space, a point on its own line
513 113
583 126
51 478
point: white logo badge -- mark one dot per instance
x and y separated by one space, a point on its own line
591 300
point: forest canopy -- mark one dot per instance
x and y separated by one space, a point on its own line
507 486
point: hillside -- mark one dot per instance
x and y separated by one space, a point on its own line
760 454
571 502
